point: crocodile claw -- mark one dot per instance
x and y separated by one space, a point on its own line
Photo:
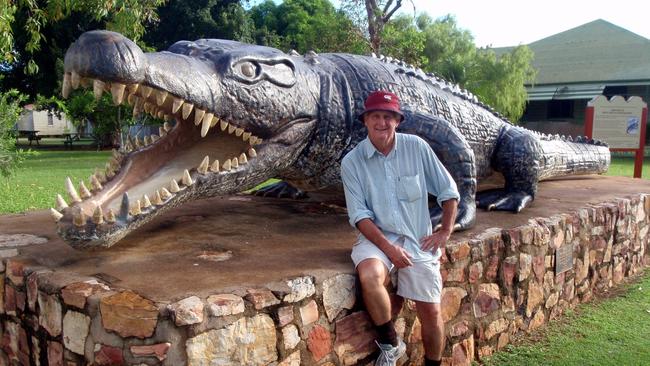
500 200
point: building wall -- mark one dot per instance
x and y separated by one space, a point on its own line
45 123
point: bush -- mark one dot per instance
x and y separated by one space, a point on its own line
10 110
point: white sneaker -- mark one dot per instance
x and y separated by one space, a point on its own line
390 354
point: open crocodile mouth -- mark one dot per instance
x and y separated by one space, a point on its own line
194 146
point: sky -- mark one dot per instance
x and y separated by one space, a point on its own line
500 23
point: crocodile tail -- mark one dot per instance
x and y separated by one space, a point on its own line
566 156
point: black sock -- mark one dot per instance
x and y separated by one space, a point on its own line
386 333
428 362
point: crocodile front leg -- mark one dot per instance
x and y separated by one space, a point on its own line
517 157
456 155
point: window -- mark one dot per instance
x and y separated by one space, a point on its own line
557 109
50 119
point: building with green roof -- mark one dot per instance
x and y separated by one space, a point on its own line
578 64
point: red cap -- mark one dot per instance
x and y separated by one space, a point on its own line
381 100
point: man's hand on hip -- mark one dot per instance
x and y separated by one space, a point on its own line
434 241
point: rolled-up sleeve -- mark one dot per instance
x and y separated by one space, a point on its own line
354 197
439 181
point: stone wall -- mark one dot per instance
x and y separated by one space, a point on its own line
497 284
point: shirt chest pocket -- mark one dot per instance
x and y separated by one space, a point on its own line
408 188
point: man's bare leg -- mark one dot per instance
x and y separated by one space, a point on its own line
433 329
373 276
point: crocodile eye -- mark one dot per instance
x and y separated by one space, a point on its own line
247 69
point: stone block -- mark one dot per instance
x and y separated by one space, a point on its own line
75 294
298 289
451 299
355 338
153 350
225 304
488 299
285 315
455 330
54 354
535 297
15 271
14 342
456 274
76 327
552 300
508 270
495 327
248 341
525 265
108 356
539 267
319 342
187 311
309 313
458 251
462 353
261 298
492 268
537 321
32 291
129 314
338 294
291 360
290 337
50 315
9 300
475 272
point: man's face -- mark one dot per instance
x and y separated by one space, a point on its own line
381 127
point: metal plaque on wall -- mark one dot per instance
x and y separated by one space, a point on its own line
563 258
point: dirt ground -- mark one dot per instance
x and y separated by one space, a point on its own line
236 242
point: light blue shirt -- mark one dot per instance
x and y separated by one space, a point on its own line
392 190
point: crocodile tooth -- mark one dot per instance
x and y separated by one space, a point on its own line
128 146
94 183
116 154
85 193
157 199
167 117
252 140
100 175
65 87
138 142
242 159
223 124
75 80
131 99
98 216
146 203
239 131
173 186
214 122
161 131
79 219
56 215
147 141
235 163
110 173
187 109
226 165
161 95
231 129
207 121
198 116
154 138
164 194
258 141
160 114
136 111
74 196
124 207
187 179
60 203
246 135
136 209
117 91
215 166
147 107
98 88
145 91
110 216
203 167
132 88
252 153
167 126
176 104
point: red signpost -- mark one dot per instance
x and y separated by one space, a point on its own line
620 123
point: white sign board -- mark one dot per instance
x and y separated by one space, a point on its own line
618 121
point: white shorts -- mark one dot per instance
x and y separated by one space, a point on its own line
420 282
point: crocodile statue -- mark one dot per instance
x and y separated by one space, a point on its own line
234 115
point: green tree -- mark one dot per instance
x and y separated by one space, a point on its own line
10 110
402 39
372 16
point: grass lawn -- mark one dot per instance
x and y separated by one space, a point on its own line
35 183
613 331
624 166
